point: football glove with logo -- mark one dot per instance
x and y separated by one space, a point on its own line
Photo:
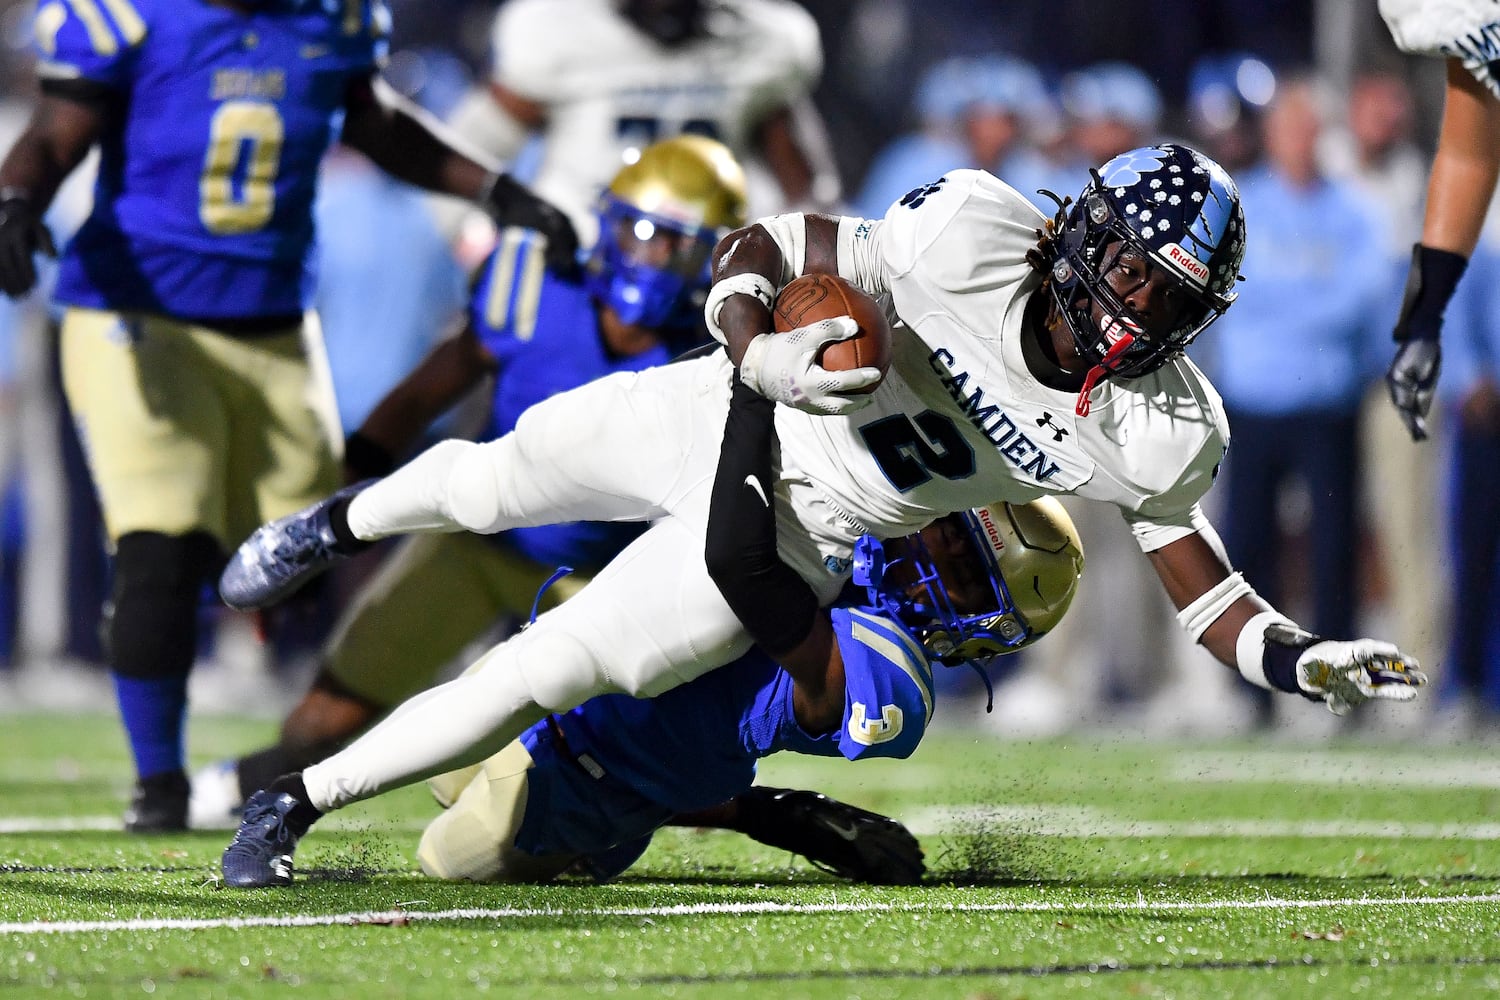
783 367
1343 674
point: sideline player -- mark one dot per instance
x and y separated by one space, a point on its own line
1028 359
591 785
626 73
183 350
1463 33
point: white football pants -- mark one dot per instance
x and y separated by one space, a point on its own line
629 447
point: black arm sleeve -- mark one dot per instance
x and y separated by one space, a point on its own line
776 606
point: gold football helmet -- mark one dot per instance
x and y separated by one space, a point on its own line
1032 559
659 220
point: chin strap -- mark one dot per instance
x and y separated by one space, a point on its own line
1091 380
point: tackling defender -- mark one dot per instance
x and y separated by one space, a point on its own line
1029 358
587 788
183 351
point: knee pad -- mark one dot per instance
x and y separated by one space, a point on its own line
560 671
471 496
158 579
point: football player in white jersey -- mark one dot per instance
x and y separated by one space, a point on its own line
597 79
1029 358
1466 34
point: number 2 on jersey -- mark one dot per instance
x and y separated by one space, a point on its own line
911 450
237 191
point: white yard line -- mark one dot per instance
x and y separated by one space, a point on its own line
1355 768
1038 821
729 909
1083 821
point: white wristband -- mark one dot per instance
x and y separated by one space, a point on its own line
757 286
1203 612
1250 647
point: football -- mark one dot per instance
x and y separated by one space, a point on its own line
820 296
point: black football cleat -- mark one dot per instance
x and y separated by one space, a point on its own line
261 853
278 558
848 841
159 804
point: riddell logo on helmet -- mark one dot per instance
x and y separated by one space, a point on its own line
1187 263
991 530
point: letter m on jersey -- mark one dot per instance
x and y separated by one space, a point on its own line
867 731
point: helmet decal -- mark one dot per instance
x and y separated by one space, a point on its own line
1180 210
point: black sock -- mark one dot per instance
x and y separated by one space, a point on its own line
304 814
338 520
257 770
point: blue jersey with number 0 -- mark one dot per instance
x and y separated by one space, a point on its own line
544 332
209 161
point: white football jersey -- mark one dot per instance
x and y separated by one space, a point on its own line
1467 30
959 420
608 88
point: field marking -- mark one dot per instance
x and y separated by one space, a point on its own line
385 917
1082 822
1090 823
1325 767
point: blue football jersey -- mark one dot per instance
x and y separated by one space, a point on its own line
544 332
632 763
209 164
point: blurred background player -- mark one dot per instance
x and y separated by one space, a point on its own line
598 79
534 332
185 358
1459 189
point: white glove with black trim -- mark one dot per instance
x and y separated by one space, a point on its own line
783 367
1345 673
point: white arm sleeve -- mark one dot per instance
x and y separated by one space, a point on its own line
862 254
790 234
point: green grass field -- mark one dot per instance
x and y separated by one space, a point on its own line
1111 868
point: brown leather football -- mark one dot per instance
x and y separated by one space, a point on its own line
819 296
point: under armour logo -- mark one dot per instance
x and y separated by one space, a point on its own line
1058 433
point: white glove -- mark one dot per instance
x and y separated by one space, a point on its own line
781 367
1346 674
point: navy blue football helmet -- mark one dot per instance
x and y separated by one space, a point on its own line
1033 545
1178 208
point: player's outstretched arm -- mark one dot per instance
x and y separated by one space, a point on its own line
1221 611
410 144
54 142
1462 182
